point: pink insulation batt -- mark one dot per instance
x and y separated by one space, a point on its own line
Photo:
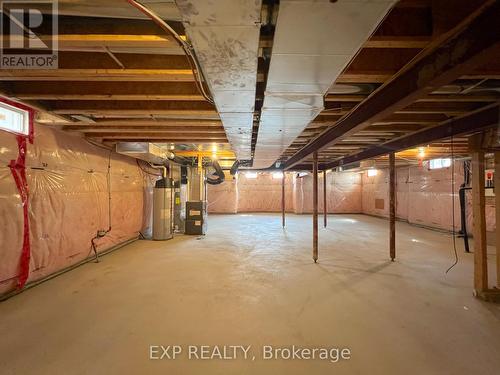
68 203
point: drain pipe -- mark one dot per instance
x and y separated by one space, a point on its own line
463 204
463 218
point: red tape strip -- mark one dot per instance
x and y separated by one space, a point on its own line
18 170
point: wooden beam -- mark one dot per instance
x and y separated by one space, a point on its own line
480 119
447 108
88 61
132 97
159 135
47 89
430 98
81 41
224 154
344 98
325 207
458 52
364 77
497 212
381 41
460 98
163 140
392 206
153 75
163 115
144 122
5 91
479 216
172 113
106 25
147 129
315 207
139 105
283 203
412 118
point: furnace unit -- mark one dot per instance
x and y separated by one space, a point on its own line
196 217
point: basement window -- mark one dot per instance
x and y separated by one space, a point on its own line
278 175
372 172
439 163
15 120
251 175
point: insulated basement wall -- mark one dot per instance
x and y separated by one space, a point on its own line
343 193
68 203
489 209
263 194
424 196
242 194
223 198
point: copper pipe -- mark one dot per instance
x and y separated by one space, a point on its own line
315 206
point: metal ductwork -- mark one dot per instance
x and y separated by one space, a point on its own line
225 36
145 151
314 41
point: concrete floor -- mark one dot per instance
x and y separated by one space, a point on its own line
248 282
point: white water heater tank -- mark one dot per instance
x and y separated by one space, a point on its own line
162 210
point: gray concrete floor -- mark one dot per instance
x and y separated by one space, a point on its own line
248 282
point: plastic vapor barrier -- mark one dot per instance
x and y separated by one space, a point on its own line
223 198
263 194
68 203
423 197
343 193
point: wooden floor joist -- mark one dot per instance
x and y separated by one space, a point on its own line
139 122
152 75
480 119
456 53
200 130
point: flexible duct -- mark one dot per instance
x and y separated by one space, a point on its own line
234 168
218 172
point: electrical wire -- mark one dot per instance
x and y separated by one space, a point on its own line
101 233
187 47
100 145
453 205
109 192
